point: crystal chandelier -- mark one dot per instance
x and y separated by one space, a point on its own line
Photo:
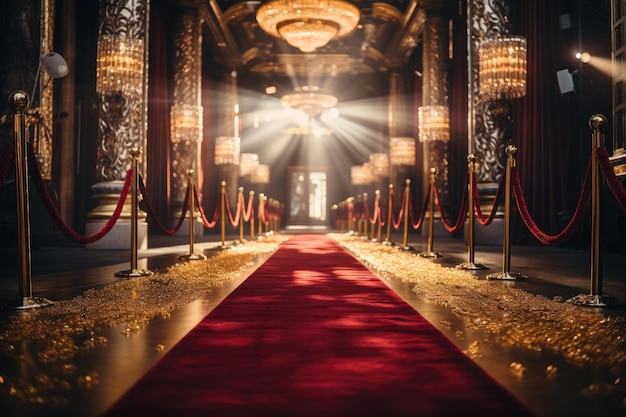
379 163
261 174
502 63
434 123
358 176
402 151
119 65
308 24
227 150
248 163
309 100
186 123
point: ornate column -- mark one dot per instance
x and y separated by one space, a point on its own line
41 124
488 142
436 59
122 86
229 128
400 126
186 112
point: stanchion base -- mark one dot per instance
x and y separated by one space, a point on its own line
432 255
405 248
508 276
192 257
223 247
133 273
27 303
590 300
388 243
471 266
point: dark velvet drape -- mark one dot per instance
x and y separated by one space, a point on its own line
551 162
458 147
158 150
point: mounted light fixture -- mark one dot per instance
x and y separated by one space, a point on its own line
227 150
402 151
119 65
309 100
434 123
54 65
358 175
186 123
248 163
261 174
502 68
308 24
379 163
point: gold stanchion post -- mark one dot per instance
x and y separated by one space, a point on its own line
260 214
192 220
389 216
134 272
240 209
365 219
223 215
470 265
19 101
405 234
595 298
251 218
431 218
378 219
506 274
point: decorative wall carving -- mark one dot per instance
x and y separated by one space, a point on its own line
488 18
187 83
122 118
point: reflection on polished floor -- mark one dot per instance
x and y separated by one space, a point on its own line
62 273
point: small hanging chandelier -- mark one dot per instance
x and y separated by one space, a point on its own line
227 150
502 63
402 151
119 65
309 100
434 123
308 24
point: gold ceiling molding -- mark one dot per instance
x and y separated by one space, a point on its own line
386 12
308 24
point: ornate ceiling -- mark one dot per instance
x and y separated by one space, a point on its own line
387 36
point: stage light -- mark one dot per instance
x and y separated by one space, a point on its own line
584 57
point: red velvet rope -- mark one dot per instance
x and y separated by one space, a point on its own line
208 224
366 213
152 216
249 212
56 217
460 221
614 184
377 213
486 221
418 224
583 202
234 221
396 225
6 160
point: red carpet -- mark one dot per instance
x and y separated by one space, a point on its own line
313 333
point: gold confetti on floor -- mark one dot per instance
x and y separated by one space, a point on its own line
511 316
46 340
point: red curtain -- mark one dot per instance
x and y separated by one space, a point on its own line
158 150
547 160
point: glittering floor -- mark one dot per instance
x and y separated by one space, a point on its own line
80 354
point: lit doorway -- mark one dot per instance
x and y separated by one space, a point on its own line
307 196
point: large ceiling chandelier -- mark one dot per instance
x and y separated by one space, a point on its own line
309 100
308 24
